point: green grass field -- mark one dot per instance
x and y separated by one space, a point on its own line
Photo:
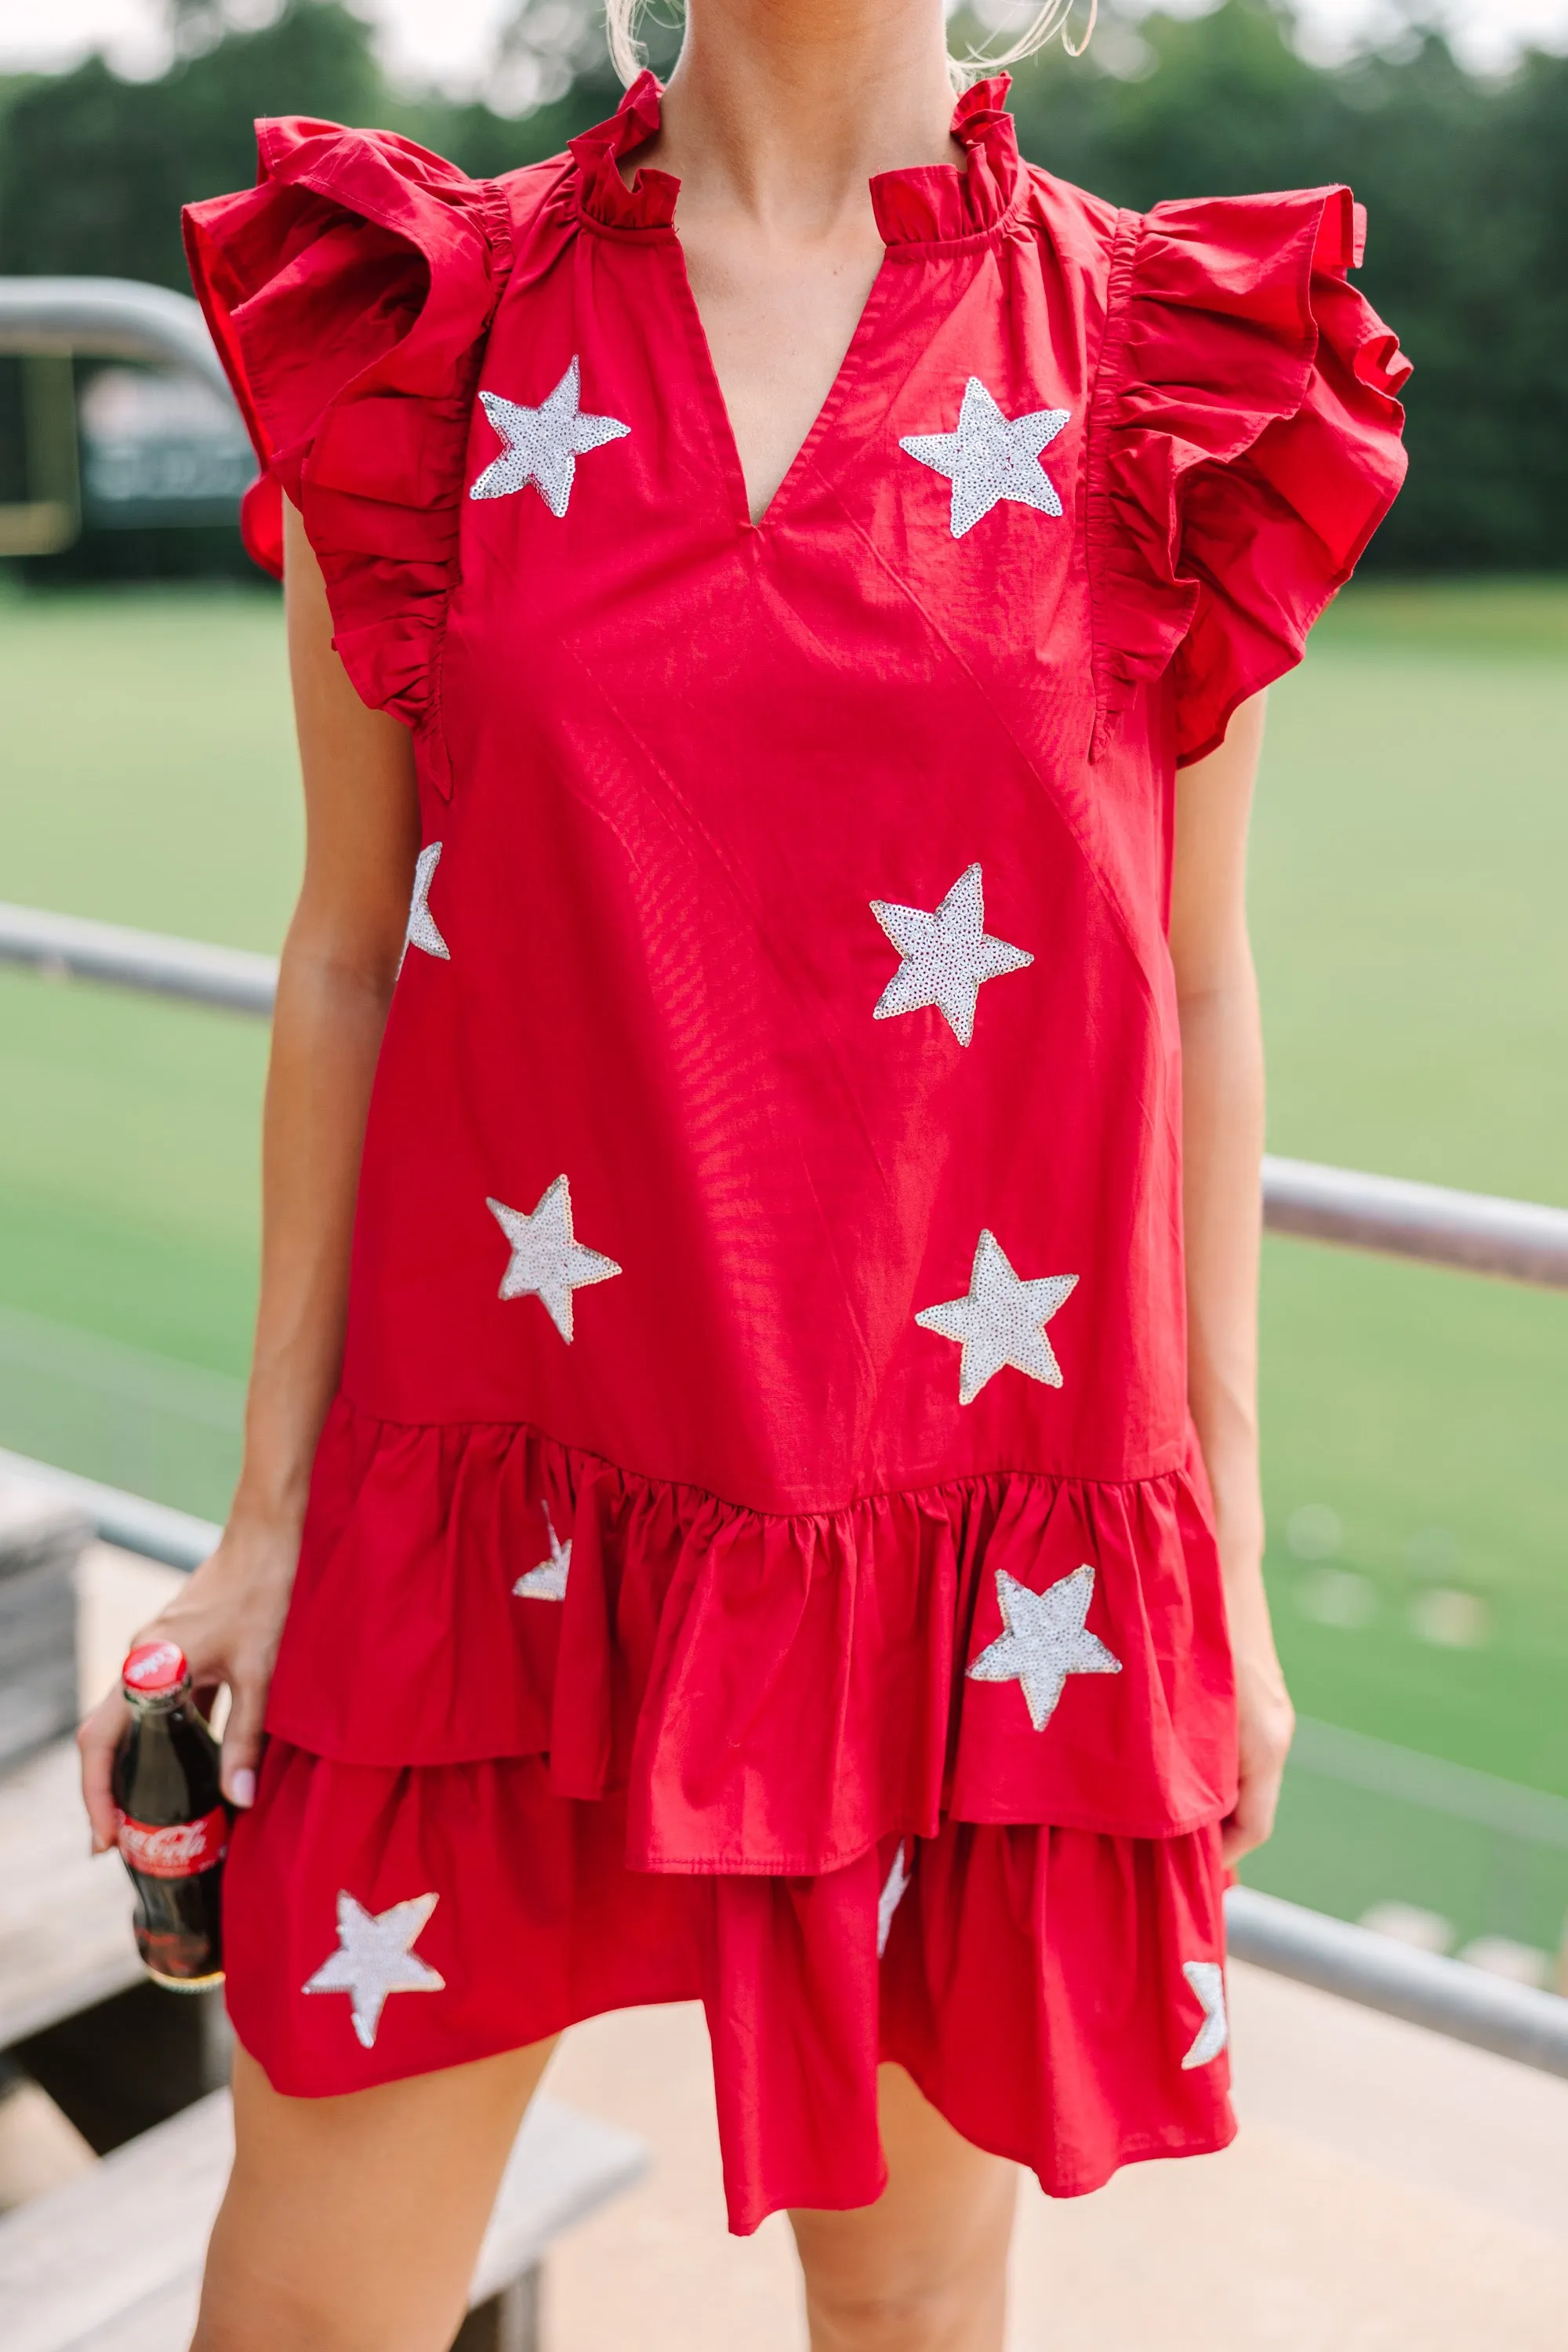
1411 847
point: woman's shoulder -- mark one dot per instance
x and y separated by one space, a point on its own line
307 150
1206 251
343 231
309 170
350 292
1246 440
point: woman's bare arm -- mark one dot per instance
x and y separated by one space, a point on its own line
1222 1050
338 963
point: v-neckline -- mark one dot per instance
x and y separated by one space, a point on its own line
721 423
924 210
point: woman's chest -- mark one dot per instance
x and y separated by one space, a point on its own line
779 315
925 545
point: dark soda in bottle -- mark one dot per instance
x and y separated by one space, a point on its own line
175 1829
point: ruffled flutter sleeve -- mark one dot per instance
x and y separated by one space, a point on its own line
349 293
1247 447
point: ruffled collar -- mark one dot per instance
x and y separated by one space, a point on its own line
934 203
649 202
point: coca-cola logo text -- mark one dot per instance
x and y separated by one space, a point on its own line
180 1850
155 1666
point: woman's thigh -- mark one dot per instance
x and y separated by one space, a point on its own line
353 2224
925 2268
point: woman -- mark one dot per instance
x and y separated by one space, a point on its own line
742 1499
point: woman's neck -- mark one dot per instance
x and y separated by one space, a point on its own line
781 111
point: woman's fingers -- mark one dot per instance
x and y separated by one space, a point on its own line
1238 1836
1252 1823
98 1740
226 1623
242 1738
1266 1723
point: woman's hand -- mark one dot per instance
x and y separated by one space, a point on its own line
1265 1719
228 1620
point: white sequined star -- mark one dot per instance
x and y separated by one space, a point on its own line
945 956
894 1889
374 1958
991 456
548 1581
548 1262
1000 1321
544 444
422 931
1045 1640
1206 1978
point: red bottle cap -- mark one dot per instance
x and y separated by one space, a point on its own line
155 1666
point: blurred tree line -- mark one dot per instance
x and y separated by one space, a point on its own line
1467 184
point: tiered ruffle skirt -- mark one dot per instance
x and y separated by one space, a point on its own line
710 1754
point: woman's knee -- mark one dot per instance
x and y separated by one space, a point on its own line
269 2288
248 2312
925 2311
351 2224
924 2269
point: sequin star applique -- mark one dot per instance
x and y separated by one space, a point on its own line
548 1581
894 1889
548 1262
1044 1641
946 956
991 456
1206 1978
544 444
422 931
1000 1321
375 1958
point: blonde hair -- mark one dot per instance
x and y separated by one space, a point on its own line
1051 18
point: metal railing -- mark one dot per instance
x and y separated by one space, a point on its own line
1521 1240
157 1530
118 317
47 323
1467 2003
68 947
1524 1241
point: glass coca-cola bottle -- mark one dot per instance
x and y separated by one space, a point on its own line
174 1832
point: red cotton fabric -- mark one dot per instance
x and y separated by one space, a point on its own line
761 1523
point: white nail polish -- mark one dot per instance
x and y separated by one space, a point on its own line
242 1787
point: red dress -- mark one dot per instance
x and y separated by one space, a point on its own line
759 1552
